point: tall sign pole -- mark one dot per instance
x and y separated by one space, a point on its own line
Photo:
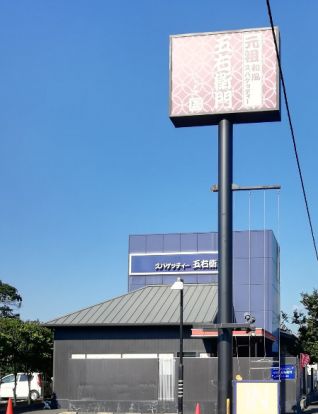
222 79
225 246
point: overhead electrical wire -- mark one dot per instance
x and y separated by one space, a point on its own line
291 127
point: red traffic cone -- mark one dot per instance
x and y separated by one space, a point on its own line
197 409
9 407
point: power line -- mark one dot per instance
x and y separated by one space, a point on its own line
291 127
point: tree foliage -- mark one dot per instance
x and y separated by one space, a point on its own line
307 323
24 346
9 299
9 338
36 348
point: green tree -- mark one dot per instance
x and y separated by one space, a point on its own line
24 346
35 351
36 347
9 299
307 323
10 338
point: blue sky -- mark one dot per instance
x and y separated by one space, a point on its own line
88 154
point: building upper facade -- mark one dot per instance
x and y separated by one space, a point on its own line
156 259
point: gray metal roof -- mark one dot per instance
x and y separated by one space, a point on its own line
151 305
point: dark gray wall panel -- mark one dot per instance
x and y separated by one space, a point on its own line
131 385
64 349
119 380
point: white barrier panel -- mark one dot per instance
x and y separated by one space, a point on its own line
251 397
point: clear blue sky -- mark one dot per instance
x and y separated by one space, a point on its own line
88 154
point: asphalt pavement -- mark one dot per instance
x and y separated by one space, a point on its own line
36 408
23 407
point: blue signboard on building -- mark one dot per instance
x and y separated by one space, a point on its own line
173 263
287 372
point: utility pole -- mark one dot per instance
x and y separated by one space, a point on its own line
225 288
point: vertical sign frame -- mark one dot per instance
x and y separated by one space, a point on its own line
232 74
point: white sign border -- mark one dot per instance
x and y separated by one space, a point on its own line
198 272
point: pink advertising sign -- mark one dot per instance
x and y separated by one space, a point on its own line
231 75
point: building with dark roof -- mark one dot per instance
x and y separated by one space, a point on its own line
151 305
122 355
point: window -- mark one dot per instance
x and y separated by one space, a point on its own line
166 377
8 378
24 377
188 354
140 356
103 356
78 356
114 356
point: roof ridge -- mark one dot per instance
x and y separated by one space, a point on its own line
80 316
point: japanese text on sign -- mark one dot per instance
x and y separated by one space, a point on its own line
284 372
223 73
196 265
173 263
252 70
